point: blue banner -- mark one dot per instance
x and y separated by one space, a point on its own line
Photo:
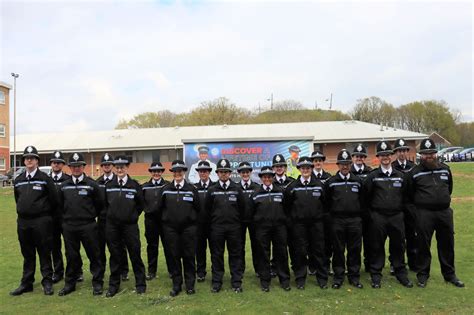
258 154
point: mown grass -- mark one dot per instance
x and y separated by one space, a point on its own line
437 298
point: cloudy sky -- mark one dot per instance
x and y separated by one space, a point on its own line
85 65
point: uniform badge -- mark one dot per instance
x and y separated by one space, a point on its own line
29 149
223 163
278 159
57 155
345 155
428 144
383 145
106 157
75 157
401 142
359 148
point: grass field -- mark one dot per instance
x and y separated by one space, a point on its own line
438 297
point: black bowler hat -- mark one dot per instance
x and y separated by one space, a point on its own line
278 160
318 155
156 166
106 159
343 157
360 149
178 165
223 165
30 151
383 148
204 166
304 161
58 157
427 146
121 160
266 170
400 144
76 159
244 166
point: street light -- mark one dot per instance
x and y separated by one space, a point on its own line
330 102
15 76
271 101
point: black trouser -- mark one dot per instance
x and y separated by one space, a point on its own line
366 240
327 246
346 234
253 245
410 236
276 236
56 250
291 248
181 244
35 236
86 234
118 237
202 237
308 240
152 235
429 221
220 235
382 226
102 248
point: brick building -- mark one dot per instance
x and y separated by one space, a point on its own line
4 127
143 146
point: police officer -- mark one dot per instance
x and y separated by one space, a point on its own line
204 169
81 202
248 187
179 208
360 169
36 202
430 185
269 220
404 165
292 161
318 159
385 190
225 203
124 201
57 163
107 166
203 152
152 194
304 198
344 200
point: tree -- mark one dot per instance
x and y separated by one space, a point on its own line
288 105
374 110
163 118
466 134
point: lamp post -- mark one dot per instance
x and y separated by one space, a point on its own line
15 76
271 101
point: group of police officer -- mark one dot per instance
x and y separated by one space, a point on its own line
318 222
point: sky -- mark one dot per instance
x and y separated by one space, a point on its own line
85 65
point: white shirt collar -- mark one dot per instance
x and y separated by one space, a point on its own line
302 180
384 170
318 172
242 182
157 182
206 182
401 163
109 178
358 168
59 175
278 177
181 183
124 179
265 187
32 174
227 183
347 176
77 179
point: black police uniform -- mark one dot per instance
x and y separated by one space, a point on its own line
429 193
203 226
36 202
178 209
124 206
306 211
226 207
247 224
151 195
323 177
385 193
56 250
344 205
81 202
270 218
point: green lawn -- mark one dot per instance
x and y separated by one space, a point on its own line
438 297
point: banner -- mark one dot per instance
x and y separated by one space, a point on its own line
258 154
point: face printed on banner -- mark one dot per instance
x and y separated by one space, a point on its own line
204 175
223 175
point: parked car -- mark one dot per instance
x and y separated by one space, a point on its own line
13 173
46 169
4 180
442 154
464 155
449 156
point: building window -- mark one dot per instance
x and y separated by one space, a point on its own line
2 131
2 164
2 97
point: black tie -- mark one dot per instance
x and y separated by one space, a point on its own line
319 175
403 166
28 177
246 186
268 188
281 180
204 185
55 178
178 186
121 182
224 186
360 171
387 173
305 183
345 178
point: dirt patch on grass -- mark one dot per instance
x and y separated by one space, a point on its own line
468 198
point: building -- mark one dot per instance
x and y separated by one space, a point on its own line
4 127
143 146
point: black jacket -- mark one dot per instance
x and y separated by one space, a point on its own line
362 175
226 207
203 216
285 183
152 194
101 182
268 208
64 177
344 198
385 194
430 189
179 208
409 165
81 203
305 203
247 216
124 204
325 176
37 197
